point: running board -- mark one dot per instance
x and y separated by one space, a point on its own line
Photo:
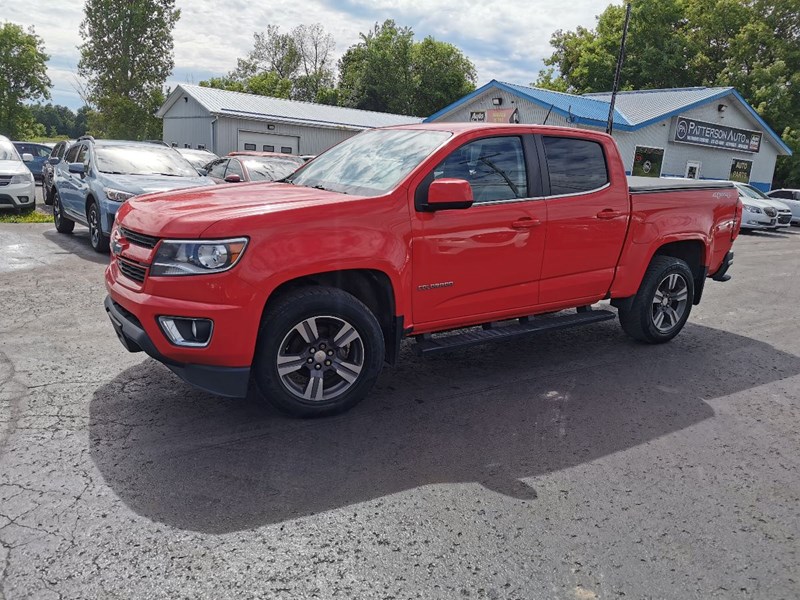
427 344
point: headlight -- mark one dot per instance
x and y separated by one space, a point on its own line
197 257
117 195
752 209
23 178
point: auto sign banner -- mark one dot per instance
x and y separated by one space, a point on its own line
692 131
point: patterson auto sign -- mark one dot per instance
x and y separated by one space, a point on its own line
692 131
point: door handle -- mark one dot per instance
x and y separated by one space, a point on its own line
526 223
609 213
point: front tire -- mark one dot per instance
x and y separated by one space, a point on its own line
319 352
62 223
97 238
663 303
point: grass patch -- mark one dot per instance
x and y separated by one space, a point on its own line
32 217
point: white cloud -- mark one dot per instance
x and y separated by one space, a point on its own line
504 40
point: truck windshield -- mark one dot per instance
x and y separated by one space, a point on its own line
371 163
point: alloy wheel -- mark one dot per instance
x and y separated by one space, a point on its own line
670 302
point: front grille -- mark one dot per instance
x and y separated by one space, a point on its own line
132 270
139 239
784 219
770 212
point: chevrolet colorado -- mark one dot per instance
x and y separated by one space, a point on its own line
308 285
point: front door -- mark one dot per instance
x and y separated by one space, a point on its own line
486 258
587 219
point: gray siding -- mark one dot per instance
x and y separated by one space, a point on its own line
313 140
528 111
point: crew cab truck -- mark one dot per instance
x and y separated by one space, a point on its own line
307 286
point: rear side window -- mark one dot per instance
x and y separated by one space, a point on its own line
575 166
234 168
781 194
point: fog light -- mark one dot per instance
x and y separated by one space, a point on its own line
23 199
185 331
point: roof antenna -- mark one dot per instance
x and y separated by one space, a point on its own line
618 72
547 116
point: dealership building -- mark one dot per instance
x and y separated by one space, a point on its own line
701 133
223 122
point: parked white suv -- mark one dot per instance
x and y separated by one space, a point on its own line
761 211
17 185
790 198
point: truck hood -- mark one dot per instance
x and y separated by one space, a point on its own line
145 184
12 167
187 213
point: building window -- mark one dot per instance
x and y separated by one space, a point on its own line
187 145
286 150
201 146
647 161
268 148
250 147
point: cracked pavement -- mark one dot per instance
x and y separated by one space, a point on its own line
577 464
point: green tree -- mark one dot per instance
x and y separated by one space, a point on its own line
752 45
388 71
59 121
267 83
23 77
126 57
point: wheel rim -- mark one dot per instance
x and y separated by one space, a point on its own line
94 226
320 358
57 210
670 302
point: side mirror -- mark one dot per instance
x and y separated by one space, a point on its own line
77 168
53 160
27 157
202 172
233 178
449 194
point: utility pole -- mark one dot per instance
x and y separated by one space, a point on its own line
618 72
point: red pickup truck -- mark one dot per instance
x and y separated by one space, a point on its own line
308 285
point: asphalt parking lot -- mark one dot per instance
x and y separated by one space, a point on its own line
576 465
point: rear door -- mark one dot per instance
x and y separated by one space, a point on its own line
486 258
587 219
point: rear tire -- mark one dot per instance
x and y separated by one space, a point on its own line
62 223
319 352
97 238
663 303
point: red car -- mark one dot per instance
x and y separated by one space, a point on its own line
253 166
311 284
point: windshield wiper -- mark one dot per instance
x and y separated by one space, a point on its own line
324 189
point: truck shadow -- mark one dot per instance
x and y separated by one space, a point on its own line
496 415
77 243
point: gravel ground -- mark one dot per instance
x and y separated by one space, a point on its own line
577 464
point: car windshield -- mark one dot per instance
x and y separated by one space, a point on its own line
7 151
142 159
371 163
270 169
751 192
198 159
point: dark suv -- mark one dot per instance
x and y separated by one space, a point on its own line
56 156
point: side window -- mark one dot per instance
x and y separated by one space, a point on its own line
72 155
494 168
42 151
83 155
235 168
56 149
218 168
781 194
575 166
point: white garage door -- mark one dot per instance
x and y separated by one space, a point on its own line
268 142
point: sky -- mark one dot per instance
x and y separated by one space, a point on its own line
505 41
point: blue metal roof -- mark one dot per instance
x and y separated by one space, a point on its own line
632 110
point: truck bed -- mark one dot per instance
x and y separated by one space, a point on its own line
639 185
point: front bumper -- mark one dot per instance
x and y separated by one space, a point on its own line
18 196
223 381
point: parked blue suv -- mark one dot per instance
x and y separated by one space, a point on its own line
97 176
